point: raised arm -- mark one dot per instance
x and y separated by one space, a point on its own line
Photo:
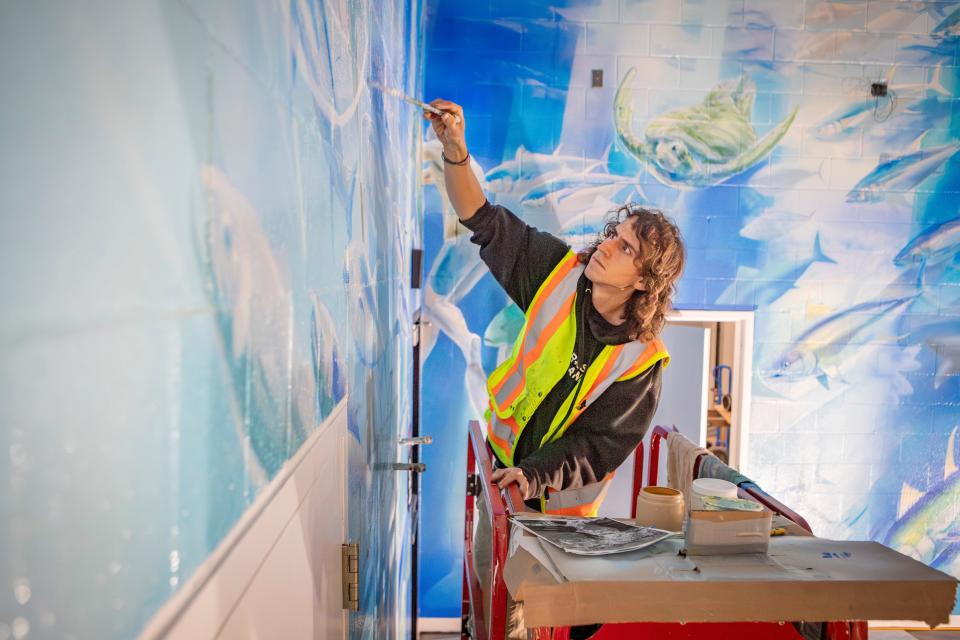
463 189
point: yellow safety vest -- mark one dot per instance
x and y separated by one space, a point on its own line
540 357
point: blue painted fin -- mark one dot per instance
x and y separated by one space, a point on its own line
818 254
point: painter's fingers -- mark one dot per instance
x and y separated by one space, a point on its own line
452 108
446 105
505 477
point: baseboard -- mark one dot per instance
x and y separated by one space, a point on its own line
207 599
438 625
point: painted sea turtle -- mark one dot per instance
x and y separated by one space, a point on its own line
701 145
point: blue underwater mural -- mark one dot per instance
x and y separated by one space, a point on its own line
830 210
208 218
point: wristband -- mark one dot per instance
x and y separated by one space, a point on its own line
465 160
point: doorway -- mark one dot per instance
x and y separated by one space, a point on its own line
700 343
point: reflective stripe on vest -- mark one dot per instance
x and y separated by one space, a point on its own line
551 308
540 358
582 501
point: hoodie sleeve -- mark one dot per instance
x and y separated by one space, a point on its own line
520 257
601 438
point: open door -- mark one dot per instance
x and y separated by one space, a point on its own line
683 402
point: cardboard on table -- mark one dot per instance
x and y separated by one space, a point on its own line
801 578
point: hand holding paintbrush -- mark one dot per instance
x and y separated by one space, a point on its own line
449 127
447 120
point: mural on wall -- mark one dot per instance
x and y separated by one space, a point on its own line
831 211
220 211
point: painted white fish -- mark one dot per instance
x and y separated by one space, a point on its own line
932 245
559 188
527 166
432 163
901 173
701 145
859 114
453 274
820 350
252 299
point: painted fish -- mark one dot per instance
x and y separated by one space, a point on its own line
528 166
701 145
252 300
764 292
432 165
928 522
901 173
853 117
819 351
569 185
933 244
454 273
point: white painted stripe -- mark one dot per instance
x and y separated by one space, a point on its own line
438 625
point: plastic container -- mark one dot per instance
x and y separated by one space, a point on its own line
710 487
660 507
728 532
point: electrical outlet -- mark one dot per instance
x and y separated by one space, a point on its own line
878 89
597 78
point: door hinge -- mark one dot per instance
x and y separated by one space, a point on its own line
350 555
473 485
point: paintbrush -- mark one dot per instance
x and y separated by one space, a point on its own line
396 93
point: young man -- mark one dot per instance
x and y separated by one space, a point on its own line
581 386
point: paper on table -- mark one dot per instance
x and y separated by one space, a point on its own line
655 562
592 536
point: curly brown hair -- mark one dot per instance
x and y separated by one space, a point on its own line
659 268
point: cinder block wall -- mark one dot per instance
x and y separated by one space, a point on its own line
843 236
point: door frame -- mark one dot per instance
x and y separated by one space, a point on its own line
742 365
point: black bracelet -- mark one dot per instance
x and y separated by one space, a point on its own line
459 164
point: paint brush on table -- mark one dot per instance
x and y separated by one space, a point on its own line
396 93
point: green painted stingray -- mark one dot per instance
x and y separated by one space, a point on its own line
701 145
